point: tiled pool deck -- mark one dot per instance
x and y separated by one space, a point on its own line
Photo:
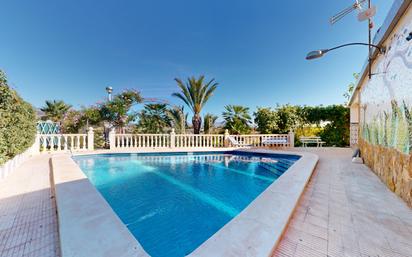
28 224
345 211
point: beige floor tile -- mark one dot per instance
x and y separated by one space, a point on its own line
352 210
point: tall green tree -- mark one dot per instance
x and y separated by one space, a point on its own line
282 119
55 110
237 119
154 119
91 116
117 112
266 120
195 93
178 119
209 123
289 118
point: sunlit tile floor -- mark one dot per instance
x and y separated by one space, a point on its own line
28 223
347 211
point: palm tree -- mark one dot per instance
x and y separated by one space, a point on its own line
195 93
237 119
55 110
178 118
209 123
153 119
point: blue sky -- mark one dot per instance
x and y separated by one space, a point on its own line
71 50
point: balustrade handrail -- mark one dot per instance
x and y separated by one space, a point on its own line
61 135
172 140
261 135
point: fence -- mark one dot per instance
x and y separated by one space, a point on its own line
82 142
65 142
127 141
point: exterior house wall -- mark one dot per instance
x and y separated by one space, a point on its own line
383 106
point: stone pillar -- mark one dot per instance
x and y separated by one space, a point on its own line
227 138
172 139
112 139
90 139
292 139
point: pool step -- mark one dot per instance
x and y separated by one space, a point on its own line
278 168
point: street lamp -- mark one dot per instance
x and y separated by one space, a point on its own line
319 53
109 91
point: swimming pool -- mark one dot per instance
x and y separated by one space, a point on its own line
172 203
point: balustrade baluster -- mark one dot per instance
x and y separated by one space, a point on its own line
43 143
71 143
84 142
58 143
77 142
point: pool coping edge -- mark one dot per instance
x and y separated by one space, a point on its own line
257 230
83 213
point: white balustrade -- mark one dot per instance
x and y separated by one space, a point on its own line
65 142
172 140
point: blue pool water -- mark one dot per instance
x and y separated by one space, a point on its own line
172 203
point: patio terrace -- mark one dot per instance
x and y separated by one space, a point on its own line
345 211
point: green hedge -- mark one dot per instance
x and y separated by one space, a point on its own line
17 122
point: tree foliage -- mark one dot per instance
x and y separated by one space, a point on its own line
17 122
72 122
178 119
279 120
195 93
117 111
337 118
209 123
237 119
331 123
154 119
55 110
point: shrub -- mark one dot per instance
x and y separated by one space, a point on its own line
17 122
99 142
331 123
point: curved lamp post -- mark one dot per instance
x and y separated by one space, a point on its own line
319 53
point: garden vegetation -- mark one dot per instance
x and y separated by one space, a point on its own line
17 122
331 123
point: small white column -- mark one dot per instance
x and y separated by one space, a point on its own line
172 138
112 139
226 143
90 139
292 138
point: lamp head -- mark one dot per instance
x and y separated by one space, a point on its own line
316 54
